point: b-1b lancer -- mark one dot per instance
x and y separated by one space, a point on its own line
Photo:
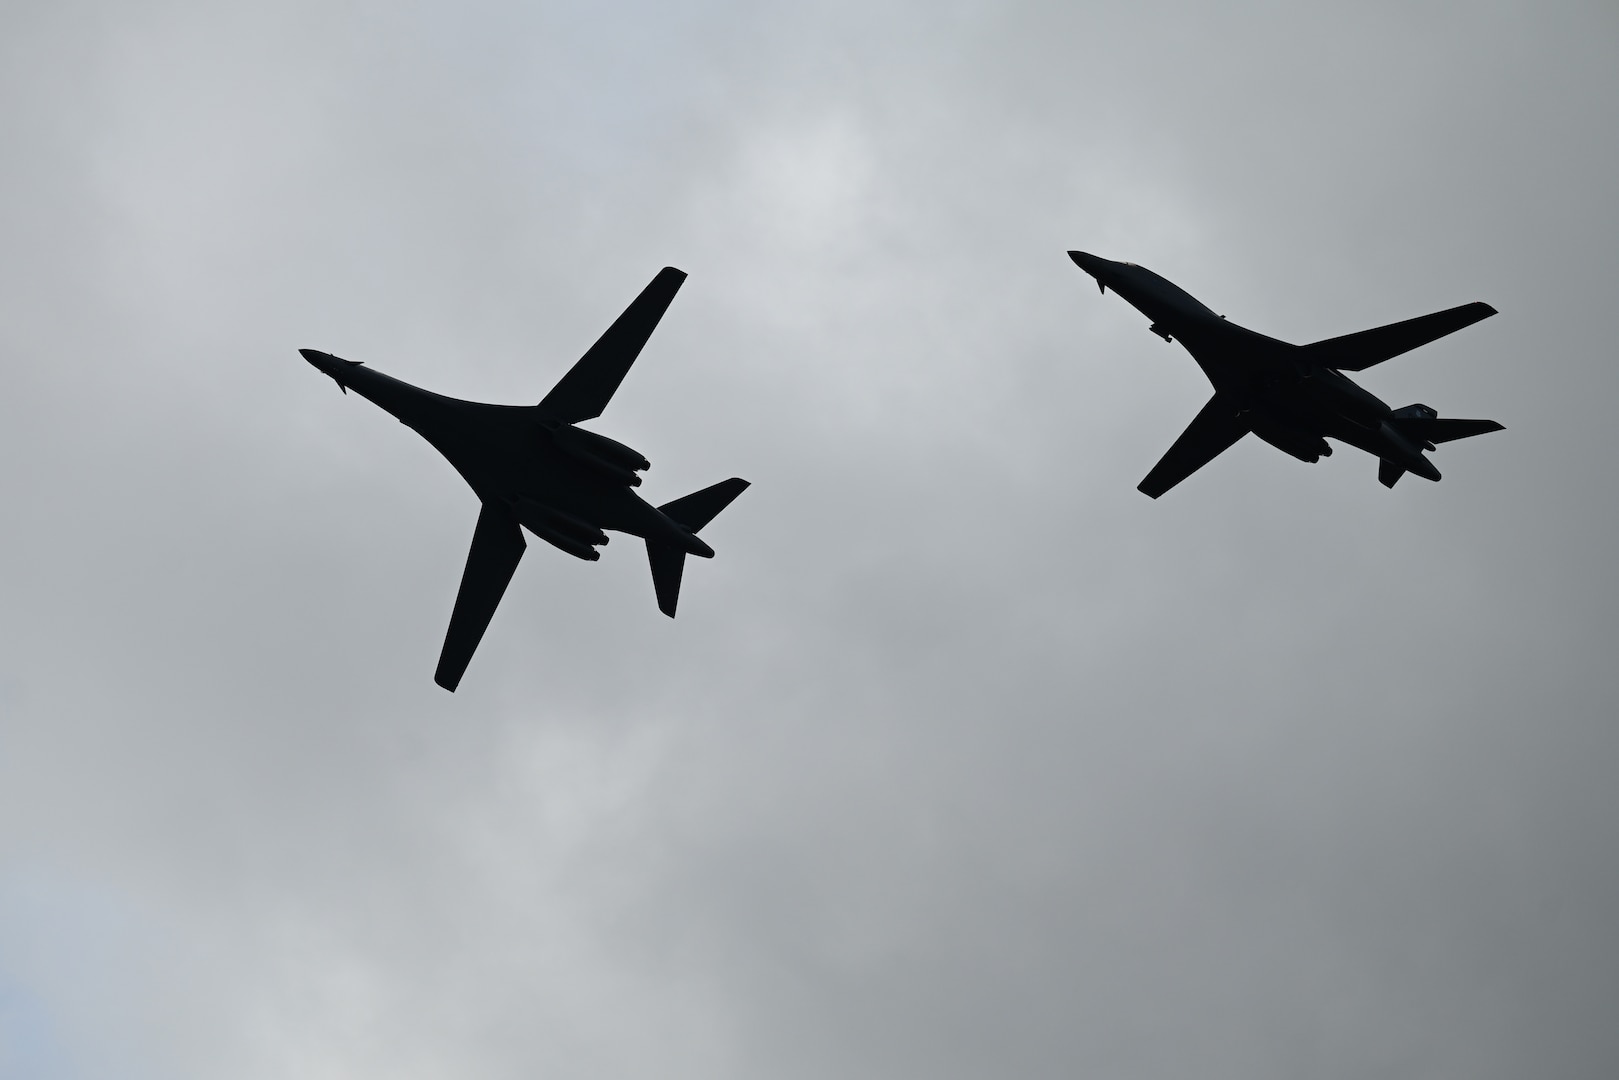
534 468
1294 397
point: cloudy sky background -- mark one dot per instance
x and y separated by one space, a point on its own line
963 758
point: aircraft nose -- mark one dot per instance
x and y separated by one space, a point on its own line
1087 262
327 364
1094 266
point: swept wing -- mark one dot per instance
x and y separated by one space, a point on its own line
1357 352
1216 427
497 545
588 386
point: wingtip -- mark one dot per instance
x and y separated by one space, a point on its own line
446 675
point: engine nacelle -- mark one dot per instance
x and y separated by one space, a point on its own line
611 459
1300 444
578 538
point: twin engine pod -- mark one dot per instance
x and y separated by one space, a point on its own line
578 538
1303 445
612 459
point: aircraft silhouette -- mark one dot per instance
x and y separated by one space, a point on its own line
533 468
1294 397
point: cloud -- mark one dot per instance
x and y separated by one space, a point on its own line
962 757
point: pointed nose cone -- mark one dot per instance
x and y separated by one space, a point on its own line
1092 265
1086 261
327 364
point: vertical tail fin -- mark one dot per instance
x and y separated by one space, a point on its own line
667 564
693 512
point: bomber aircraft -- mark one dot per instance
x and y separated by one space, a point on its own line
1294 397
533 467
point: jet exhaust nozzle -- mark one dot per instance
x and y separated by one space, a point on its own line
1304 445
600 453
562 540
571 534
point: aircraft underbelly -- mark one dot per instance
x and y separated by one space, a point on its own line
580 494
1231 371
502 455
1318 403
626 512
1358 437
1285 405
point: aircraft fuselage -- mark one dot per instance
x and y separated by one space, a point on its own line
1288 400
534 469
563 483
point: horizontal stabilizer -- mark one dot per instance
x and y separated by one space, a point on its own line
1388 472
1357 352
589 385
692 512
1211 433
1422 425
1440 431
700 507
497 545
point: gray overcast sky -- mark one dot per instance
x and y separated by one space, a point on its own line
963 759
